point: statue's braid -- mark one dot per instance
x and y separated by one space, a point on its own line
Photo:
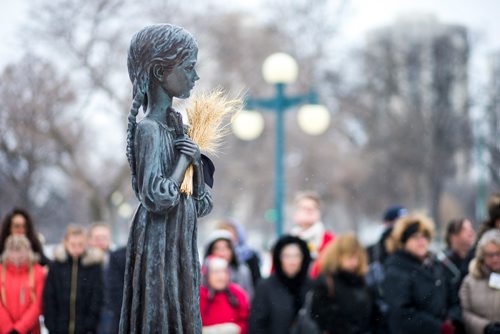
132 124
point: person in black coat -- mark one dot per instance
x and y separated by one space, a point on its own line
278 298
459 237
378 251
420 296
342 302
114 279
72 296
377 255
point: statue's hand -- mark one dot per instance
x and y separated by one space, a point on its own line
189 148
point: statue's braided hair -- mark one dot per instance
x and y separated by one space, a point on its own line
163 44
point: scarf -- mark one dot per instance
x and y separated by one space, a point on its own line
313 236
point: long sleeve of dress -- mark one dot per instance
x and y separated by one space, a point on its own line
202 195
204 203
157 192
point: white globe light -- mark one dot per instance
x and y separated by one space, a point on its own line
280 68
248 124
125 210
117 198
313 119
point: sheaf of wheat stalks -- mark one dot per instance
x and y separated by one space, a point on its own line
210 116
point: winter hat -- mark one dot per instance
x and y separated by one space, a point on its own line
406 227
410 231
242 250
393 213
212 263
219 234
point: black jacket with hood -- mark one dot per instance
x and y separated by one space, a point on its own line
278 298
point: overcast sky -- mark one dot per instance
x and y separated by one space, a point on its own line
360 16
479 15
482 16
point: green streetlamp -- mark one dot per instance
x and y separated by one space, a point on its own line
280 69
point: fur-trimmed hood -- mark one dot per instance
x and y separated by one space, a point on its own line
92 256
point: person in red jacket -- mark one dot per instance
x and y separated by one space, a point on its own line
224 306
21 287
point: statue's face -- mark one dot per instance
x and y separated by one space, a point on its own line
181 79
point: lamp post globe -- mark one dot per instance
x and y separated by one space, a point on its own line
313 119
280 68
248 125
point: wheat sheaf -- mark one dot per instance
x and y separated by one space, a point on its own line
210 115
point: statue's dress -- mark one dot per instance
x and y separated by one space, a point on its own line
162 277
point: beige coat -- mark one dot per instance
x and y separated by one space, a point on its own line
480 304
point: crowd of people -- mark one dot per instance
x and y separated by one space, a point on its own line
79 290
319 282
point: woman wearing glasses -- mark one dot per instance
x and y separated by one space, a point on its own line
480 290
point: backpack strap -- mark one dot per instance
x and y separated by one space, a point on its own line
448 264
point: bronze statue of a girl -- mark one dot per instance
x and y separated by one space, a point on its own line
161 293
